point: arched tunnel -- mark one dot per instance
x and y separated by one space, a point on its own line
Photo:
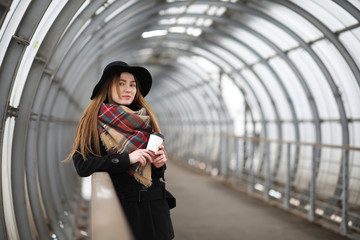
264 93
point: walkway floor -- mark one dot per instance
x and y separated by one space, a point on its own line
208 210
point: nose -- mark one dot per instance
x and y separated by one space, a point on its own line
127 89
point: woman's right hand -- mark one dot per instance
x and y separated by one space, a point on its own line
140 156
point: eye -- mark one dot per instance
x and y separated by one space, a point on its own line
121 84
133 85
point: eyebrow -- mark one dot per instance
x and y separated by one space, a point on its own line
123 80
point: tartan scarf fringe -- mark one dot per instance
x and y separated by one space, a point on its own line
124 130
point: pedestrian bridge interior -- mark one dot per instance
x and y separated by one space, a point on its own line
263 94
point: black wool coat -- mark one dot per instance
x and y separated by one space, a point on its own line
149 218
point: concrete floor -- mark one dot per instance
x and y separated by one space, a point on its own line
208 210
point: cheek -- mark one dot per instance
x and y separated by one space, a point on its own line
114 93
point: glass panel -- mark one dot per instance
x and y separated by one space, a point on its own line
354 196
356 3
215 59
260 92
338 12
288 132
307 132
227 55
235 104
275 90
83 6
302 175
167 21
205 65
243 52
328 172
294 88
329 13
331 133
173 10
317 83
186 20
250 97
272 32
197 8
292 20
6 159
354 130
254 42
272 131
342 76
350 39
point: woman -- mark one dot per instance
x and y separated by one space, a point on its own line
112 136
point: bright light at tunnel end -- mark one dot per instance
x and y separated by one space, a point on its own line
155 33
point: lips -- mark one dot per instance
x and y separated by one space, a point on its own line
126 96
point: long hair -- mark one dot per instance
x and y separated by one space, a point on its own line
87 138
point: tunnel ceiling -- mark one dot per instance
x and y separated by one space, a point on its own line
286 70
267 49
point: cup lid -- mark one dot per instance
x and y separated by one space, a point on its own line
159 135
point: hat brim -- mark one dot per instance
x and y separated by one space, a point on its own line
141 74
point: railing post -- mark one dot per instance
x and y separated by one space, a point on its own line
345 192
312 190
250 158
237 164
268 171
224 156
288 178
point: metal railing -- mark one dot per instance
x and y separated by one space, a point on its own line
108 220
317 181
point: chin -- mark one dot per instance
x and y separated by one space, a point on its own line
125 103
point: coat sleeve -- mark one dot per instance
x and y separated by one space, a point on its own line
159 172
113 163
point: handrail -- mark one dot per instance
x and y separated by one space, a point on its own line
258 139
108 220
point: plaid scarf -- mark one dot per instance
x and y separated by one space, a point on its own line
124 130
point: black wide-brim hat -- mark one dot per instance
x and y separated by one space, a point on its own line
141 74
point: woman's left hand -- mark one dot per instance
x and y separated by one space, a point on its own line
160 158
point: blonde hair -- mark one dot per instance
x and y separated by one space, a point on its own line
87 138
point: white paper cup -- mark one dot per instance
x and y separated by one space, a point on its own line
155 140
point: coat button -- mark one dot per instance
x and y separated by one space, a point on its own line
115 161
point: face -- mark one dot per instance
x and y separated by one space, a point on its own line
124 91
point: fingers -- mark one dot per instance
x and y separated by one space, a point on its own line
141 155
160 161
160 158
148 155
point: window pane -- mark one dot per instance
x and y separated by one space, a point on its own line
354 129
197 8
341 75
238 49
269 30
229 54
356 3
294 88
275 90
317 83
254 42
350 39
331 133
235 104
329 13
291 19
260 93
